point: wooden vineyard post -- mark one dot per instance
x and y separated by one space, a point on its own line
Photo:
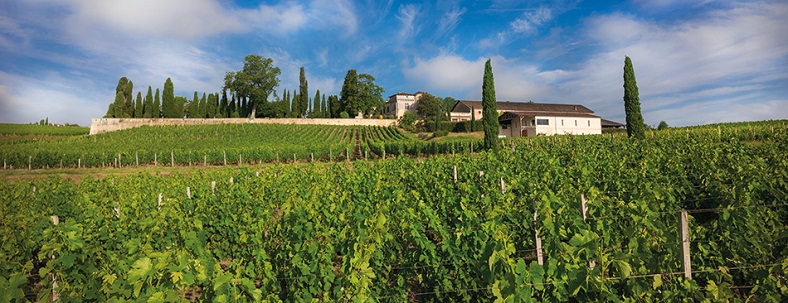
685 244
471 147
29 163
347 153
213 187
159 204
231 180
172 159
584 209
137 158
503 186
330 154
225 157
155 159
455 174
79 163
55 294
240 160
120 163
294 158
188 192
312 157
538 240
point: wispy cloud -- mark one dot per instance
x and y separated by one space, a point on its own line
530 21
449 20
407 17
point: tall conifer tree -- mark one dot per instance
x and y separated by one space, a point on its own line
147 107
157 112
168 106
635 126
303 94
489 109
138 106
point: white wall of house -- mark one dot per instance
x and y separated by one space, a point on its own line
549 125
459 116
399 104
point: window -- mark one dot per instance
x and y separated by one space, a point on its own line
575 122
542 122
562 122
589 123
407 105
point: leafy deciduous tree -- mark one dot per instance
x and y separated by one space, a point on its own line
256 81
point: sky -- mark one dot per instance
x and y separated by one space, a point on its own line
696 61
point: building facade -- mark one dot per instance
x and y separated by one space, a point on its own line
401 103
523 119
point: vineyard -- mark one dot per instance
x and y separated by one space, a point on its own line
226 144
557 219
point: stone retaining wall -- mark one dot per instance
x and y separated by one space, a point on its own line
103 125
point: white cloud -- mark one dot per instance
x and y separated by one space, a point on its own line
452 74
185 19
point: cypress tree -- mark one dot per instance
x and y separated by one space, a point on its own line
223 105
303 94
348 97
295 104
473 119
168 106
212 105
203 106
138 106
636 127
316 105
147 107
117 107
324 107
128 104
490 109
156 112
194 107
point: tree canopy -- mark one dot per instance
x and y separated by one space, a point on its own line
255 81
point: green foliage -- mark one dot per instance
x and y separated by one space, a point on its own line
404 230
157 108
344 115
169 108
255 82
316 112
303 94
138 106
428 105
440 133
359 94
147 107
636 128
490 109
662 125
407 120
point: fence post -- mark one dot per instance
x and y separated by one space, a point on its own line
584 209
539 252
240 159
455 174
685 248
204 160
225 157
120 163
155 159
312 157
159 204
503 186
213 187
172 159
55 294
188 192
137 158
79 163
29 163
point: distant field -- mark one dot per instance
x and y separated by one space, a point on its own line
225 144
35 129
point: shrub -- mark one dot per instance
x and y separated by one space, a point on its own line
440 133
344 115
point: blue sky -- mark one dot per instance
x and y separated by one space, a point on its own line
696 61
